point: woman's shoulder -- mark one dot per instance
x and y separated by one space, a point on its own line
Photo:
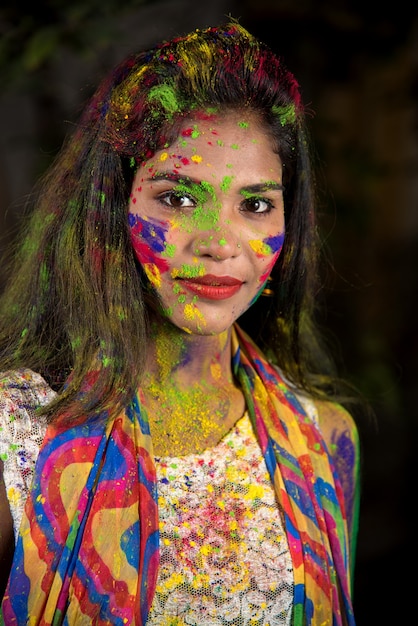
25 384
22 392
335 422
23 379
330 417
22 430
339 431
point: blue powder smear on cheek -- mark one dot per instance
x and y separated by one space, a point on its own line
154 234
275 242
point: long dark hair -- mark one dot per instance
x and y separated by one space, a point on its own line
75 298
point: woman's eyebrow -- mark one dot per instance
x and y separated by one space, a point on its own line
174 177
270 185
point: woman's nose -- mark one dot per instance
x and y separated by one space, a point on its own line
220 244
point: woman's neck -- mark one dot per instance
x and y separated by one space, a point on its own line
175 355
189 390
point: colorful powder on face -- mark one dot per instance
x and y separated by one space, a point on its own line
275 242
148 240
192 313
226 183
202 217
153 233
153 274
191 132
170 250
269 245
189 271
259 247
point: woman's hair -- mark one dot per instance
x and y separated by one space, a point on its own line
75 300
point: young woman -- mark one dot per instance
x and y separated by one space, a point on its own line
173 449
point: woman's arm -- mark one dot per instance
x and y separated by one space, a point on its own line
7 543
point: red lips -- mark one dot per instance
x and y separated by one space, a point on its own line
212 287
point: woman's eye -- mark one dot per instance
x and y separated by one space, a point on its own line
177 200
257 205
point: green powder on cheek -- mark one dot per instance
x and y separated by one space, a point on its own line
170 250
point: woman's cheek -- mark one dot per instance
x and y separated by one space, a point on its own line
269 250
148 239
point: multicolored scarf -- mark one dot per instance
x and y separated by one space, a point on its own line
88 547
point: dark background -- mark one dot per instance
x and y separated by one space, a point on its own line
358 69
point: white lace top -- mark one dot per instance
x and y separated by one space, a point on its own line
223 550
224 553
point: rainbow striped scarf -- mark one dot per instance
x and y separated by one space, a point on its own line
88 551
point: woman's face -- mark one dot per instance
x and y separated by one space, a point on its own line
207 220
